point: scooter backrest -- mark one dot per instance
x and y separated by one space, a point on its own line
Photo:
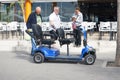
61 33
37 31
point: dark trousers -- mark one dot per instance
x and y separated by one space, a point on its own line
54 34
77 36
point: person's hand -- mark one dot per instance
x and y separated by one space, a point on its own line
39 24
54 30
30 30
53 27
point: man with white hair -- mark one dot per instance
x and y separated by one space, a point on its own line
55 21
34 18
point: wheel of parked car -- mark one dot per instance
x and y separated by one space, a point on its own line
38 58
89 59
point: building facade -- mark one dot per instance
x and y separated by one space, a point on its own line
93 10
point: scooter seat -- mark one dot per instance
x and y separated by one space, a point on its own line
47 41
65 41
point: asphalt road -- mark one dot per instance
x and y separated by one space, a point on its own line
20 66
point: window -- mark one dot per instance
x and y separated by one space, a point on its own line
66 10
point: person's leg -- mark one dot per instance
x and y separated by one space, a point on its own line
75 36
78 37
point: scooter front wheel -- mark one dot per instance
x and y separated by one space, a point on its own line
89 59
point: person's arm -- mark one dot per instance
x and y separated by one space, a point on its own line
51 23
28 23
79 19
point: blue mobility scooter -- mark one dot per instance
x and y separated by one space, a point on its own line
42 50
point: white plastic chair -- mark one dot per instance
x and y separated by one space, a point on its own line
114 26
45 26
12 26
90 25
85 24
104 26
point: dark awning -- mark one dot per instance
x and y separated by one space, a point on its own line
100 1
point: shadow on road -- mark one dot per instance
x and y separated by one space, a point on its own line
21 53
24 55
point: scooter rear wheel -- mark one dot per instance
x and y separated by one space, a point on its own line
38 58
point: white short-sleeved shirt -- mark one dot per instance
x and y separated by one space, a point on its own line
55 19
79 18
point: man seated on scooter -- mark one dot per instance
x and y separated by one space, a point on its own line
34 18
54 20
